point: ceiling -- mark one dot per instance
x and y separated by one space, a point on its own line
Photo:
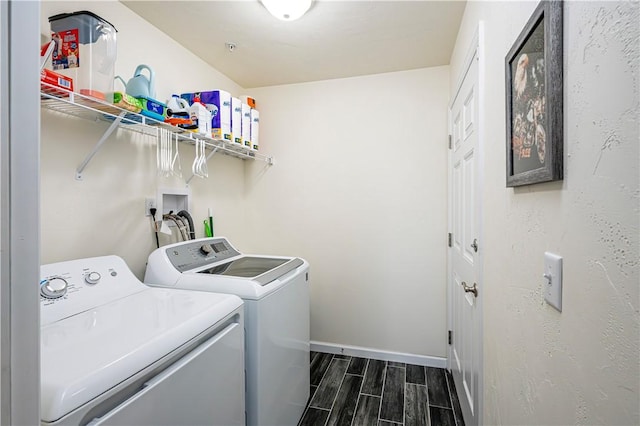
335 39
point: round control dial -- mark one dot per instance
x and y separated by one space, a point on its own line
92 277
53 288
206 249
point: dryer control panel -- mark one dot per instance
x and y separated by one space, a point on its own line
68 288
203 252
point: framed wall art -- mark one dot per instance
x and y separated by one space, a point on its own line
534 99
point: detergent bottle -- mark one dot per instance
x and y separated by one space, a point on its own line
200 116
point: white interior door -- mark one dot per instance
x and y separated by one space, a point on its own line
465 291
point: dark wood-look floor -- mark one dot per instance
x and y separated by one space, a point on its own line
351 391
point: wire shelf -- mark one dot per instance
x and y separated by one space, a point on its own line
88 108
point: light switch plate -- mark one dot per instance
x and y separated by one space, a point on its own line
553 280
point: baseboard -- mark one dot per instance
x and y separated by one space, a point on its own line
332 348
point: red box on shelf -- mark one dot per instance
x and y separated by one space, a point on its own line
57 80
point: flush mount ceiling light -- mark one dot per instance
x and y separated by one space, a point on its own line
287 10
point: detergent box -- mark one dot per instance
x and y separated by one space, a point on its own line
246 125
218 102
255 127
236 120
249 101
153 109
51 78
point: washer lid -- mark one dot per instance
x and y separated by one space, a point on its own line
89 353
262 270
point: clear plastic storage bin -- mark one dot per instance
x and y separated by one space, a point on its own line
85 50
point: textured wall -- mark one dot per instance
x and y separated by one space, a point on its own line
580 366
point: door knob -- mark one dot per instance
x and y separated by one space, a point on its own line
474 245
473 289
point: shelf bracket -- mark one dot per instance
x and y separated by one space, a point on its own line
96 148
211 154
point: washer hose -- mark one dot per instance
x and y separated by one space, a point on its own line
192 230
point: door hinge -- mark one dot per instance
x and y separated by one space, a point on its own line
450 239
449 141
450 333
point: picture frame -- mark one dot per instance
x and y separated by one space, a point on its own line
534 88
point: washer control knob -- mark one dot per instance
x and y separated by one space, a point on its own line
206 249
92 277
53 288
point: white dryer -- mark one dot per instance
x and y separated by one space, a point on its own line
117 352
275 291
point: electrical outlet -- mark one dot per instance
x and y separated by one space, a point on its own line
149 203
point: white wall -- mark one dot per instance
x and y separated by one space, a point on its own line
580 366
104 213
359 190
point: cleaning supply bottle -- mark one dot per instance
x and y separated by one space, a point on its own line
200 116
208 225
176 106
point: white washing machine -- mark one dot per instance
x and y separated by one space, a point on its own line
117 352
275 291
